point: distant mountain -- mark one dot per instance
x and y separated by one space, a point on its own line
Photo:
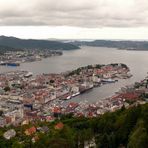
129 45
35 44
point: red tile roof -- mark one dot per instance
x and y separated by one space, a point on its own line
56 110
130 96
30 131
60 125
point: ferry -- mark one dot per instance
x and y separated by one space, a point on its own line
109 80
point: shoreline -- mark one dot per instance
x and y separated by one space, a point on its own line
46 95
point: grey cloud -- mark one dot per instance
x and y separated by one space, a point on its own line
82 13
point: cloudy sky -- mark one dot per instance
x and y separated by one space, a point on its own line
74 19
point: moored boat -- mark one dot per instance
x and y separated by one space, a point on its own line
29 74
75 94
109 80
13 64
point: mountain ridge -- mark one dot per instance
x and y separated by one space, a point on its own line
18 43
121 44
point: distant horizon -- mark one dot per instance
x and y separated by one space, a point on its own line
76 39
74 33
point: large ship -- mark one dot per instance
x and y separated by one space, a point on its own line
10 63
109 80
75 94
13 64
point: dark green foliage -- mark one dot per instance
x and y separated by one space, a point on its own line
35 44
123 128
139 136
124 66
51 81
3 49
77 71
7 88
99 66
1 112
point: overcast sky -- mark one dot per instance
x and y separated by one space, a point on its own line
84 19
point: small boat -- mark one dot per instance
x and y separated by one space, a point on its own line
69 97
29 74
2 63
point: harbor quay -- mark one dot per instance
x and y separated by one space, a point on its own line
27 97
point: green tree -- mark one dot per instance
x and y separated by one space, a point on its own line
7 88
1 112
139 137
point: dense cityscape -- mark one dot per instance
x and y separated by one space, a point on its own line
15 58
73 74
26 98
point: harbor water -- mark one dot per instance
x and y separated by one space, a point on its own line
137 61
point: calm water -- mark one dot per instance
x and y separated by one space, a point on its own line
136 60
